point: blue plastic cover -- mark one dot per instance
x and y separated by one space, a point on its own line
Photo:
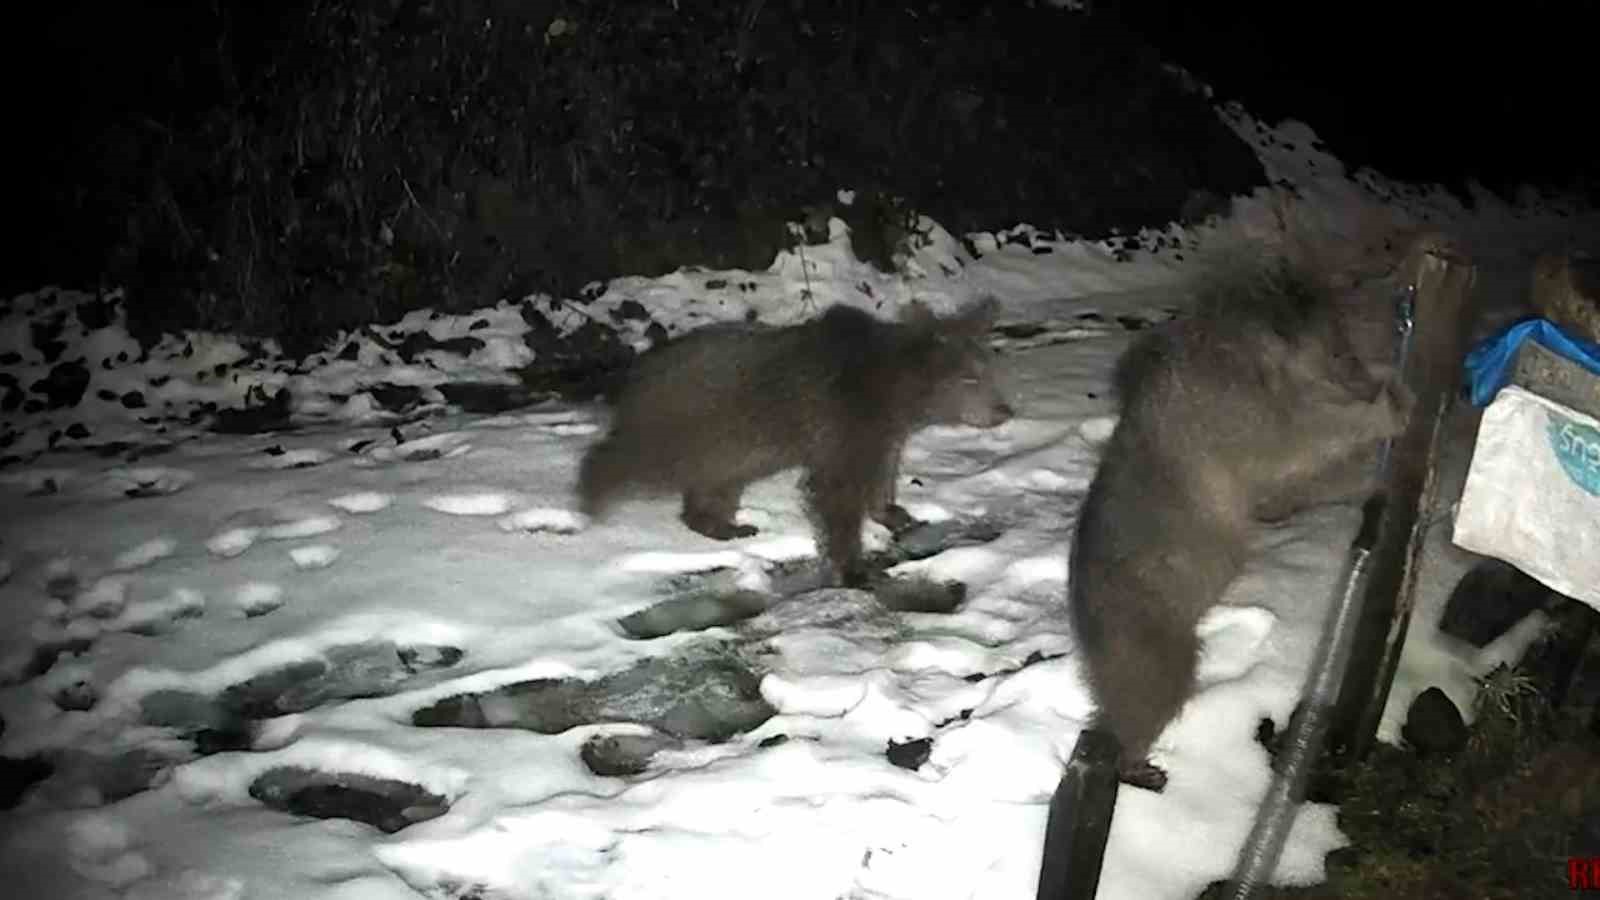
1489 364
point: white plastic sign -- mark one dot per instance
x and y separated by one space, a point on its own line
1532 496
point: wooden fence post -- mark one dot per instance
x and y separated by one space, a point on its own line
1080 819
1443 282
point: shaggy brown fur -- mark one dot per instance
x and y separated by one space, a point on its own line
1253 407
1566 290
709 413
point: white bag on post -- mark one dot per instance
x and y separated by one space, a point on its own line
1532 496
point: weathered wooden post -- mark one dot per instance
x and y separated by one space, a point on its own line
1442 280
1080 819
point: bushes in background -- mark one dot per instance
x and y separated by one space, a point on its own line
380 155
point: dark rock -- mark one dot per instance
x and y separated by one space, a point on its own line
922 595
587 362
383 803
116 777
1433 724
910 754
261 413
837 610
77 696
419 342
259 697
706 693
1020 330
64 386
230 737
182 710
613 755
97 313
925 539
18 775
396 397
424 657
345 672
64 586
1491 598
631 310
485 397
45 333
696 611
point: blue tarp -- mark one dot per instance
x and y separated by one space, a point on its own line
1489 364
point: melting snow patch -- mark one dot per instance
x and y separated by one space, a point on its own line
187 885
97 847
258 598
104 599
311 526
826 696
955 564
1047 480
1231 639
437 446
679 563
556 521
539 854
566 429
929 513
363 502
156 616
232 542
782 548
1039 569
1098 429
315 556
144 554
479 504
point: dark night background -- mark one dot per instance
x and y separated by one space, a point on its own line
1423 92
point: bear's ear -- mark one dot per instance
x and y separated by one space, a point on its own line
978 318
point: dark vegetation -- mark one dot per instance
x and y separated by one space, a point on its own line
1502 812
330 164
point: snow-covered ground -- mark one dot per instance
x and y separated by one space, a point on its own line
158 580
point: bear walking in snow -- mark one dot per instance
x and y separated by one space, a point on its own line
710 412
